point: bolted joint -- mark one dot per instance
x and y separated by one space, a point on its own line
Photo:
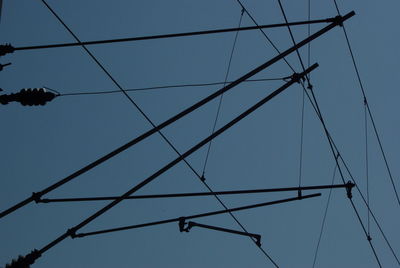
5 49
349 187
37 197
72 232
339 20
296 77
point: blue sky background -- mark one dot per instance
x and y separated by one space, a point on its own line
41 145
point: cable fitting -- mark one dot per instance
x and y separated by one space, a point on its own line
30 97
72 232
182 224
37 197
4 65
5 49
349 187
24 261
339 20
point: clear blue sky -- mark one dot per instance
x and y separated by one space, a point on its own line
41 145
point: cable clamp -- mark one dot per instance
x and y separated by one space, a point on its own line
339 20
4 65
369 238
202 178
349 187
309 86
72 232
299 194
183 226
5 49
296 77
37 197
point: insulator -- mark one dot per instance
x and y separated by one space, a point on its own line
35 96
5 49
24 261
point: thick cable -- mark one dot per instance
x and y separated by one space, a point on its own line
174 35
154 126
368 108
222 96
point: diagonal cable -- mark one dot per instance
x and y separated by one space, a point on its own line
368 108
222 96
148 119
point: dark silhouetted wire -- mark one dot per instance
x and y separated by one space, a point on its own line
366 161
72 231
178 195
368 108
163 36
168 86
324 218
207 214
222 96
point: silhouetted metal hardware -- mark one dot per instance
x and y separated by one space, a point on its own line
178 116
185 227
140 38
37 199
4 65
207 214
5 49
24 261
349 187
30 97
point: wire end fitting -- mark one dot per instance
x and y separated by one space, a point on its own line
5 49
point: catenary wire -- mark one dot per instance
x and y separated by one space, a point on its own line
366 161
222 96
78 93
148 119
324 219
368 108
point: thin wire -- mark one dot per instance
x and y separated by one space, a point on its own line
335 152
222 96
366 161
324 218
368 108
148 119
169 86
264 34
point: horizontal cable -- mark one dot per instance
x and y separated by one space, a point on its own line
162 36
233 192
197 215
169 86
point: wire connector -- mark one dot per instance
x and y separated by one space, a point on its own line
349 187
4 65
5 49
24 261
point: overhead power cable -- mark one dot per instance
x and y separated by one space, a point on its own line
72 231
232 192
169 86
222 96
368 108
161 36
38 195
207 214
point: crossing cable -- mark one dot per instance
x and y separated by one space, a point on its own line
264 34
324 218
36 196
164 36
222 96
168 86
333 151
302 109
368 108
154 126
72 231
338 156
